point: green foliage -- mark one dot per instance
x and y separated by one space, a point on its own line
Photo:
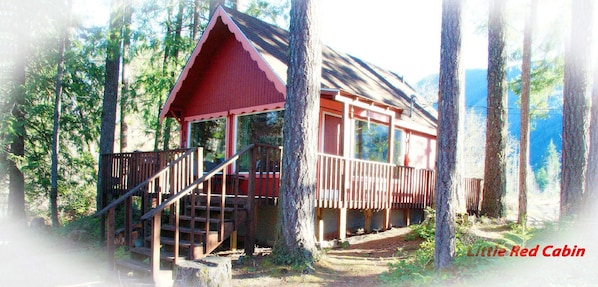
78 125
427 228
273 12
548 176
518 235
88 224
418 269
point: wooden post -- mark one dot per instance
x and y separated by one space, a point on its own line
407 215
320 227
176 207
368 220
250 236
110 237
387 215
155 248
233 240
128 222
342 226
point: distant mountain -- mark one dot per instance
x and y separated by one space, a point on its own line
476 90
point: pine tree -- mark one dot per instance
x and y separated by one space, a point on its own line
296 242
576 108
448 176
495 167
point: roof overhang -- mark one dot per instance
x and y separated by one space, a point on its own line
221 14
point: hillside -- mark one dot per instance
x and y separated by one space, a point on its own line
543 130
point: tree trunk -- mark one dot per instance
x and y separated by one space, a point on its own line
576 108
108 123
495 170
296 240
196 20
16 186
590 200
524 128
56 128
448 177
124 94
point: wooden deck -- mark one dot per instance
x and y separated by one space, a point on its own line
167 198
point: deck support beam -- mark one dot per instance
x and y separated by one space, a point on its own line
407 216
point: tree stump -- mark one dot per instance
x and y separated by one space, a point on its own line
209 271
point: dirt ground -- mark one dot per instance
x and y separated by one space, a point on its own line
30 257
360 263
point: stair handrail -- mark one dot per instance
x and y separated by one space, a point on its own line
191 186
137 188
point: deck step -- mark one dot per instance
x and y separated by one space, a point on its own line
134 265
164 255
184 229
215 208
203 219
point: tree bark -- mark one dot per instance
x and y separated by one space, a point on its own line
56 125
591 191
16 186
124 93
576 108
108 123
447 181
495 170
296 240
524 128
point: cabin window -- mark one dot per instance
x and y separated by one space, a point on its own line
399 144
371 141
262 128
210 135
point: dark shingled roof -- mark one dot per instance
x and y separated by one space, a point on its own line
339 70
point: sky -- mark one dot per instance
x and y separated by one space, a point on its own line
402 36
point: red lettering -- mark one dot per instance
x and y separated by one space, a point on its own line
566 251
515 250
546 249
501 252
469 253
580 252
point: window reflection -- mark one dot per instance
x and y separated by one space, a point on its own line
210 135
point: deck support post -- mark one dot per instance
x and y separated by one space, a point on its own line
368 220
320 225
233 240
387 214
407 216
342 225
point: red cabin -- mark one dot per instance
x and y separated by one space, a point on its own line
377 145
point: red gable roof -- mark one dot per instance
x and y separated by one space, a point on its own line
268 46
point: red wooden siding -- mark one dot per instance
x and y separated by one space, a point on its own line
232 80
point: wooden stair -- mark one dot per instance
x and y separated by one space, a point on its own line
195 241
186 211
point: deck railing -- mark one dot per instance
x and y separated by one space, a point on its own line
124 171
154 190
359 184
